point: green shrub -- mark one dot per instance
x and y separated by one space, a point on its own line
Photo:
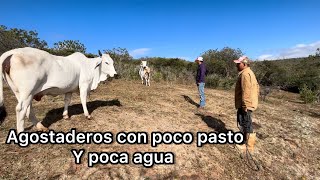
186 77
168 74
212 81
156 76
127 70
227 83
307 95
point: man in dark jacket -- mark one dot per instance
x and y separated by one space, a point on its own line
200 80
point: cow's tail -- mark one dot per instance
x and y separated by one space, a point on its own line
3 112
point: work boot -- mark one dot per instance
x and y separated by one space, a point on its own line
251 141
200 108
241 147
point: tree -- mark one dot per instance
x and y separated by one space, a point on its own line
220 62
17 38
7 40
316 55
29 38
70 46
227 55
119 54
121 59
318 52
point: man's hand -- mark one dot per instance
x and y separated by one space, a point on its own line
244 109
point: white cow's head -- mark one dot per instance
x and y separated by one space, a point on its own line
107 67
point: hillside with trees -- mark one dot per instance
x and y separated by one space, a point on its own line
299 75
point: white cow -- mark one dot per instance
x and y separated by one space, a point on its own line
32 73
145 73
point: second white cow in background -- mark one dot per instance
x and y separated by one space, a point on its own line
145 73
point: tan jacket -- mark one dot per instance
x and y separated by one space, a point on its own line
247 90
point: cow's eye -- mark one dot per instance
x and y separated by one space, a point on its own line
107 63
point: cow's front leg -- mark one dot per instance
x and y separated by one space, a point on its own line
67 100
83 97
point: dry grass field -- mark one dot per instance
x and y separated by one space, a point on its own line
288 135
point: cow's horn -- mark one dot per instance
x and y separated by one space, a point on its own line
100 54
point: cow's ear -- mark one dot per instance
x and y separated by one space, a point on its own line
100 54
98 64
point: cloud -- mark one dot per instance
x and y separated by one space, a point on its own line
299 50
139 52
265 56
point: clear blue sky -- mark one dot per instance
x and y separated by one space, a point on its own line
174 28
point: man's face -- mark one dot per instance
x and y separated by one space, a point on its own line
198 62
240 66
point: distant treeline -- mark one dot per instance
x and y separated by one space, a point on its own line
295 75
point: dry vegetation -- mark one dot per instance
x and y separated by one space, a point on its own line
287 147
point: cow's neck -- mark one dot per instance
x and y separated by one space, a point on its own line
96 72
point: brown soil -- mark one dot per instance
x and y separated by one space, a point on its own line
288 135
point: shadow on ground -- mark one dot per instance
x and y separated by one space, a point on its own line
214 123
3 114
55 115
189 100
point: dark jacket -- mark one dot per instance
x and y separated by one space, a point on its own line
201 73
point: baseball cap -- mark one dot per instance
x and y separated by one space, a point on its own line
199 58
242 59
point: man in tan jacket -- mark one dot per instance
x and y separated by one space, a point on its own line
246 101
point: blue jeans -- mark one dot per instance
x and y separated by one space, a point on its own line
201 93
